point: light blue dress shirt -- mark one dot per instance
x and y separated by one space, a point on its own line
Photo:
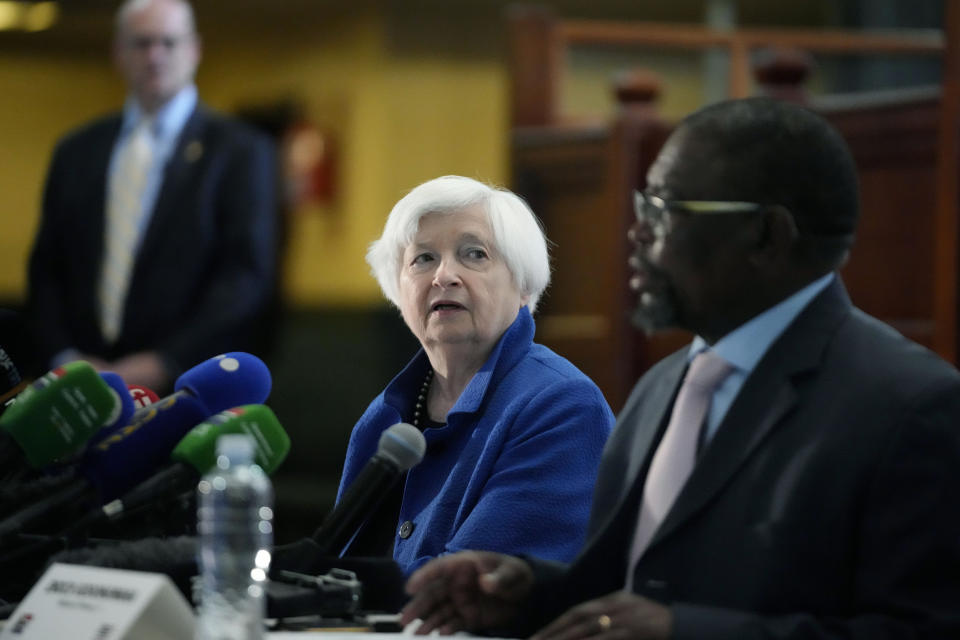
168 123
746 345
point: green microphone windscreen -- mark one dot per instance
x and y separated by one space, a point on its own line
199 447
59 412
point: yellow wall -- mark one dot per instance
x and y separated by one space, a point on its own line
399 120
42 98
335 73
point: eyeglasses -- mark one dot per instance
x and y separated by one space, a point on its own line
656 212
144 43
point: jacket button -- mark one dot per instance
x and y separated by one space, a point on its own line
656 585
406 529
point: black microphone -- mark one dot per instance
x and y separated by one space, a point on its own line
194 456
401 446
118 460
173 556
155 555
12 356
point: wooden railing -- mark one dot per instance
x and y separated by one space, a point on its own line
540 41
905 267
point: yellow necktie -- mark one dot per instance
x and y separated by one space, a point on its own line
124 203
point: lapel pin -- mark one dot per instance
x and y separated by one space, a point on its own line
193 151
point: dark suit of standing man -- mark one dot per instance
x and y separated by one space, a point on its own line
823 501
203 270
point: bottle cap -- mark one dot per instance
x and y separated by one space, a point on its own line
238 448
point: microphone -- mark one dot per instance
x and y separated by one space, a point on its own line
195 454
18 492
401 447
55 416
228 380
106 471
142 396
126 457
115 382
12 351
173 556
31 486
10 381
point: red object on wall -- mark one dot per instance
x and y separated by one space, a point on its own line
309 165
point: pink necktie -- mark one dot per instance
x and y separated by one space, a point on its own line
674 459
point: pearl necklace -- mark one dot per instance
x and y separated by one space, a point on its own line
420 408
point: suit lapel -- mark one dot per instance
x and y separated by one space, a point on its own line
765 400
177 175
645 419
88 254
100 165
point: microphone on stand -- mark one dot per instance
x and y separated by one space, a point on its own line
55 416
400 447
128 456
141 395
127 407
196 454
150 503
13 357
118 460
27 485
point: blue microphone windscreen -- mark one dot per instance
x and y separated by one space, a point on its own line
133 453
227 381
115 382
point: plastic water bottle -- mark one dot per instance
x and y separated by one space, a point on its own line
235 526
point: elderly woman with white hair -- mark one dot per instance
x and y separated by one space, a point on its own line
514 432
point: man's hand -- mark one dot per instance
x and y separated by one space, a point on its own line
98 363
616 616
467 591
145 368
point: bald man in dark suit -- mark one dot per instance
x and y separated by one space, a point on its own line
201 270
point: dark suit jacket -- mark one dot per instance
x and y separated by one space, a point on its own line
206 267
827 504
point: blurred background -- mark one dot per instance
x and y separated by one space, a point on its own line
368 99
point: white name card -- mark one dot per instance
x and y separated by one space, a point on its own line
90 603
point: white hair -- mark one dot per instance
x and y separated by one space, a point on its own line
517 233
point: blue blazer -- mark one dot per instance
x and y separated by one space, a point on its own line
514 467
206 268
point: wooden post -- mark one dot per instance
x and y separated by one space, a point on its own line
535 65
739 68
946 265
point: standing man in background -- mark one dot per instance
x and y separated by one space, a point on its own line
156 244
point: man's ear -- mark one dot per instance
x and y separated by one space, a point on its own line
775 237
